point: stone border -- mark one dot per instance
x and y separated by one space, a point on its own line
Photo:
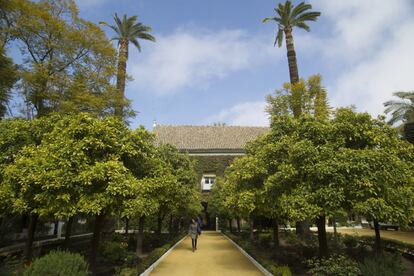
157 262
256 263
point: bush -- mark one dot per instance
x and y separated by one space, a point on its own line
336 265
58 263
279 270
265 240
350 241
114 252
382 265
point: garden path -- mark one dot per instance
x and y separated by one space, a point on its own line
215 256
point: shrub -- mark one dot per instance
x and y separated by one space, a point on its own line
58 263
338 265
265 240
279 270
114 252
152 257
382 265
350 241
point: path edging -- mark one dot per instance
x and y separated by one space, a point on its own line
157 262
256 263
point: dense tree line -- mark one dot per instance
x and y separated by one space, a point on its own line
64 166
315 165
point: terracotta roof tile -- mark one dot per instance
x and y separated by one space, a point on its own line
207 137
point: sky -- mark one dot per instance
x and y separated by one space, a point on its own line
214 61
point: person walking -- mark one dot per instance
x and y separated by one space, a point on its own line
194 231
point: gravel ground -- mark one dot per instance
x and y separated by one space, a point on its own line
215 256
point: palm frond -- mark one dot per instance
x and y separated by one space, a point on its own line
303 25
136 44
404 95
267 19
279 37
128 28
146 36
302 7
308 16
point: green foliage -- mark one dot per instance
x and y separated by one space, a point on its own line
279 270
350 241
80 166
68 62
8 77
259 255
265 240
335 265
289 16
114 252
382 265
304 97
58 263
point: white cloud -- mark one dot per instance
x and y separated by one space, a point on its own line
359 27
193 58
370 48
371 83
243 114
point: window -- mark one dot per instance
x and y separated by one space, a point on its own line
207 182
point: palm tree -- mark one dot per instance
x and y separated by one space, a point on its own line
289 16
402 110
127 30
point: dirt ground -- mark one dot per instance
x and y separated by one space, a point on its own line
215 256
403 236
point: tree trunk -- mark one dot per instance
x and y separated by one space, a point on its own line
323 243
33 218
99 219
251 222
291 55
160 219
68 232
170 225
140 236
126 228
238 224
377 237
334 228
121 76
275 233
230 226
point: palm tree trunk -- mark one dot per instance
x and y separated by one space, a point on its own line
121 76
291 55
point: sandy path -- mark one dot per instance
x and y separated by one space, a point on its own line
215 256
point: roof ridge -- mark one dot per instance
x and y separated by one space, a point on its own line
229 126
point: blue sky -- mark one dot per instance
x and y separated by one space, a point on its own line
214 61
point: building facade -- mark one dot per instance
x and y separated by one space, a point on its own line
212 147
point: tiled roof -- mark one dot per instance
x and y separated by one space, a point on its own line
207 138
